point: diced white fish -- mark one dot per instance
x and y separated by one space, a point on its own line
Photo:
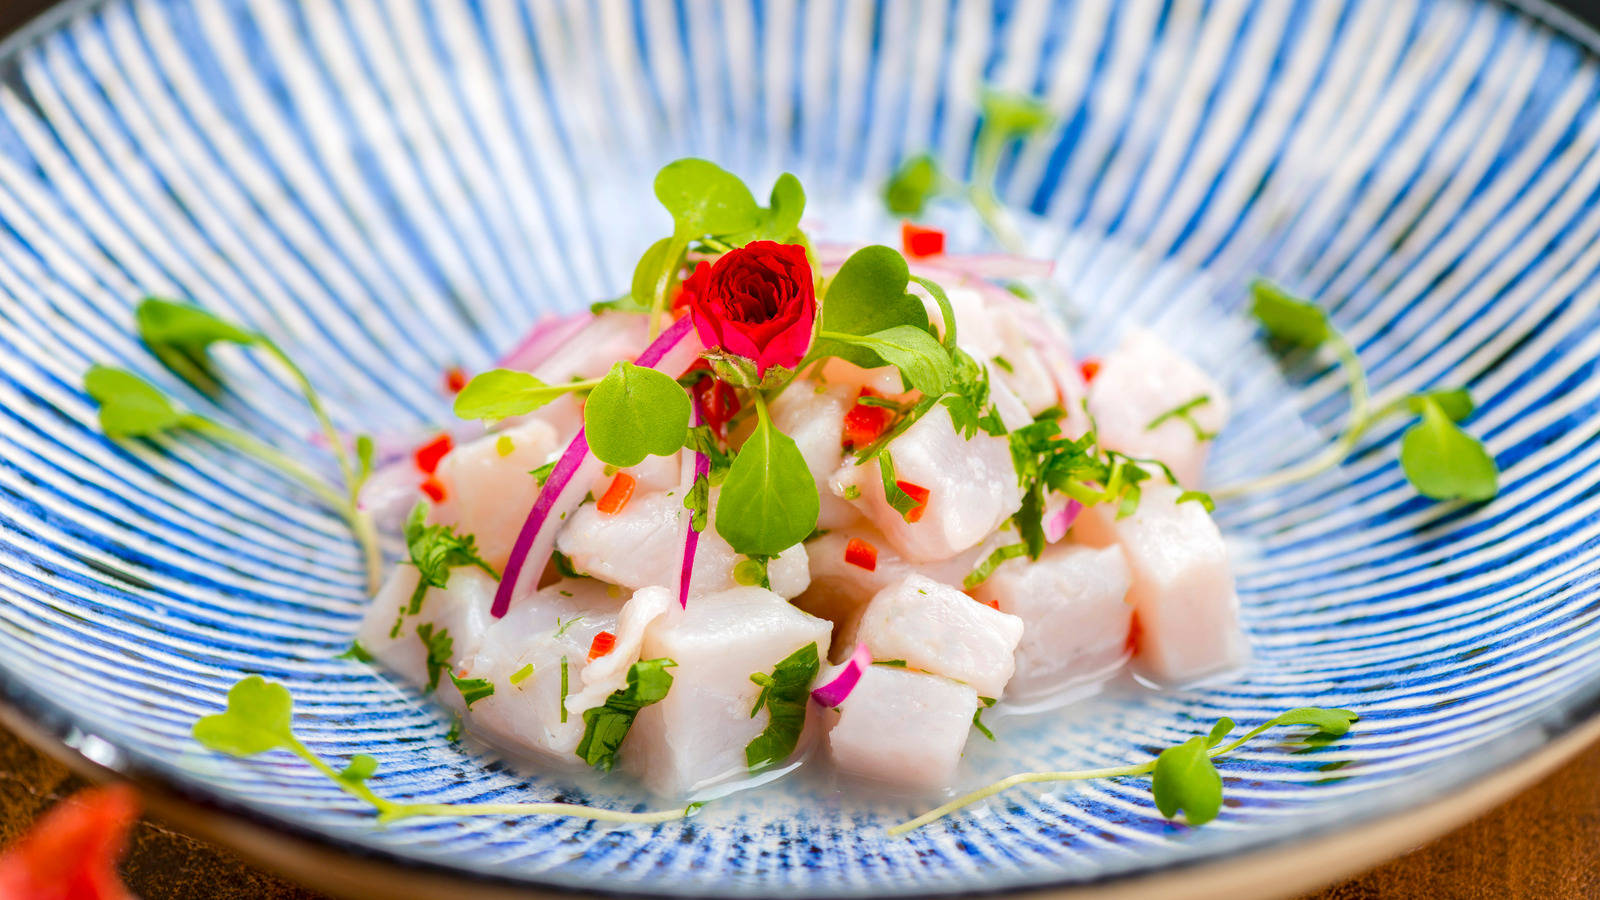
696 736
938 629
487 494
813 416
656 474
972 488
609 337
885 380
1185 609
841 589
903 728
557 623
1144 379
609 673
1072 601
461 608
642 545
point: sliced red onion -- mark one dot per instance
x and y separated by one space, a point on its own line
990 266
545 336
1058 521
563 491
834 692
691 538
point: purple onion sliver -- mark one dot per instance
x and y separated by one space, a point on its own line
834 692
668 340
691 538
543 337
1061 522
560 476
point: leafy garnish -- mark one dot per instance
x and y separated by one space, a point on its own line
472 689
357 653
977 716
1186 781
1200 497
260 718
780 221
635 412
922 361
542 474
991 562
437 648
561 701
434 550
1444 462
563 625
1288 318
752 572
769 501
914 182
697 500
866 296
131 406
1185 412
900 501
605 726
521 675
704 198
786 695
502 393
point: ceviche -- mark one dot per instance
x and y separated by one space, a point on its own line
788 503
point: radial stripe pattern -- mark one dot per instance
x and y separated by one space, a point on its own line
393 187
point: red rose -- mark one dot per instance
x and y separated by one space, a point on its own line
693 286
759 303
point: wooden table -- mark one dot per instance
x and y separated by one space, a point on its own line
1543 845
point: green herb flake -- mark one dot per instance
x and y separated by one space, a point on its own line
521 675
1184 412
562 702
357 653
472 689
1200 497
986 568
605 726
505 446
899 500
977 716
786 694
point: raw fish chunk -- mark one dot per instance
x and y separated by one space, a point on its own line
1073 604
938 629
885 380
972 488
461 608
1186 613
593 351
527 715
814 418
642 545
609 673
1140 381
903 728
488 495
696 736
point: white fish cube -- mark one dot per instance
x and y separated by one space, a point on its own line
488 495
972 488
903 728
938 629
461 608
696 736
1139 382
1185 609
1073 604
813 415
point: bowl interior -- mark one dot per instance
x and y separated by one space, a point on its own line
394 188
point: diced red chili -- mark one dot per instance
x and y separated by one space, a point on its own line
454 379
861 554
992 604
921 242
618 494
1090 368
433 488
917 493
604 643
429 454
717 400
864 424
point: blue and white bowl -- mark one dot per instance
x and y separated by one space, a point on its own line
391 187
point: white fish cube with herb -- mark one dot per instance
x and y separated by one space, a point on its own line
938 629
903 728
813 415
456 615
1073 602
642 545
971 488
699 734
1149 401
1185 609
488 488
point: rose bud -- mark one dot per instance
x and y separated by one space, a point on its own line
759 303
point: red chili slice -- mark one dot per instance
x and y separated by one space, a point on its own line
429 454
861 554
454 379
618 494
433 488
1089 368
917 493
921 242
717 400
604 643
864 424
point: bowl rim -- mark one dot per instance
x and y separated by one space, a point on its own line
1270 867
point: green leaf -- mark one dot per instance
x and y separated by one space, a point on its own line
786 694
605 726
357 653
165 323
438 647
129 405
946 311
1332 722
977 715
922 360
1185 779
900 501
752 572
1219 731
1013 115
258 718
472 689
435 550
781 219
769 500
646 273
1455 402
868 295
1200 497
697 500
502 393
706 199
912 185
1444 462
1287 318
360 768
633 413
991 562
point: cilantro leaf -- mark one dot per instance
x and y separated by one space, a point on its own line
1186 779
635 412
977 717
1444 462
704 198
786 694
357 653
868 295
604 727
769 500
437 646
502 393
472 689
697 500
129 405
912 184
434 550
1287 318
258 718
900 501
991 562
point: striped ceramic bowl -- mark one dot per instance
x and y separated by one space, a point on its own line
392 187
